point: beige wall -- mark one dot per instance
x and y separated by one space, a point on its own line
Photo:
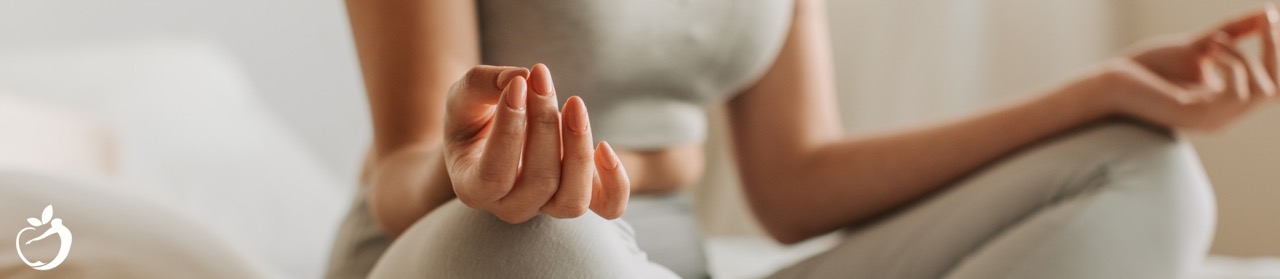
903 62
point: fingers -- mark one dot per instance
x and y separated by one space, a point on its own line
1266 23
1270 40
540 174
1252 21
578 167
612 188
500 160
1212 81
471 96
1177 94
483 84
1233 76
1241 78
534 159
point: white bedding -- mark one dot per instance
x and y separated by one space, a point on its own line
193 133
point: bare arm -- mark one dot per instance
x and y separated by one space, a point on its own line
410 53
803 178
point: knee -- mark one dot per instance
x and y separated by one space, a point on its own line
1157 170
1149 155
456 241
1148 159
1148 192
1129 138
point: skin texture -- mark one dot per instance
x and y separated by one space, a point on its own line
495 138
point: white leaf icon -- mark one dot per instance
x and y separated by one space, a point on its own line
47 214
33 222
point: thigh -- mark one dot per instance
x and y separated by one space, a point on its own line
1094 189
456 241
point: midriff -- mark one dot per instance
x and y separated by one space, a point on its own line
663 170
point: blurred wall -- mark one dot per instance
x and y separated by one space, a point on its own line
298 54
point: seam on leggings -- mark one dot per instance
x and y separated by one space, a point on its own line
1098 179
1118 166
1041 246
1103 182
1115 165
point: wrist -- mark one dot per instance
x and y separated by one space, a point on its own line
405 185
1096 95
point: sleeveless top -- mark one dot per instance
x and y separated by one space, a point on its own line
646 69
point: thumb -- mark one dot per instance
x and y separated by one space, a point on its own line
483 84
477 90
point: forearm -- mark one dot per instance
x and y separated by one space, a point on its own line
408 61
410 53
846 181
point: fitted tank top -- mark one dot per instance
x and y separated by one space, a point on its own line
646 69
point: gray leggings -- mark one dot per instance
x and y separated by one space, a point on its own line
1115 200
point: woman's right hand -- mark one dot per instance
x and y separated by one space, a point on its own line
507 151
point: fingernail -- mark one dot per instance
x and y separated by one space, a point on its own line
610 159
1222 37
504 77
544 87
515 92
580 121
1272 15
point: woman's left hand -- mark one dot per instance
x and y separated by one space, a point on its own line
1200 83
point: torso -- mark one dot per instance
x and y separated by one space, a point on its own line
646 69
663 170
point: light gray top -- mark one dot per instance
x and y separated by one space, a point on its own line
646 69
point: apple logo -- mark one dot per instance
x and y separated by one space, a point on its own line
55 227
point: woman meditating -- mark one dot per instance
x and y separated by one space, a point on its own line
570 168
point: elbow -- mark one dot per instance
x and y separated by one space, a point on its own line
781 203
784 230
786 237
782 220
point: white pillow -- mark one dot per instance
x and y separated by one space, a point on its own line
191 131
110 233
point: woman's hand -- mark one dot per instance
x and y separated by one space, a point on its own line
1200 83
507 152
